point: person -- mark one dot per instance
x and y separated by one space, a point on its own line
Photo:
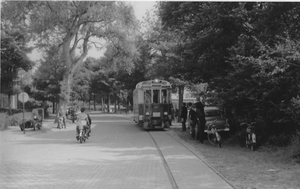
61 120
183 116
193 118
83 122
201 120
172 115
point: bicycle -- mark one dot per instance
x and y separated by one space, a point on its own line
250 136
212 134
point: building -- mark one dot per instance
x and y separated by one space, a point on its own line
187 97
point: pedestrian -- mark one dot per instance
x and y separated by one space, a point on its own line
193 120
176 115
183 116
201 120
172 114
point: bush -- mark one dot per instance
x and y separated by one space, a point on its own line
295 147
3 120
10 111
13 120
279 140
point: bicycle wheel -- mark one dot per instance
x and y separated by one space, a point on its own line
212 138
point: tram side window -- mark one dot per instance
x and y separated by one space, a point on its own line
156 96
147 96
164 98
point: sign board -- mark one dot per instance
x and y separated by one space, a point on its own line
23 97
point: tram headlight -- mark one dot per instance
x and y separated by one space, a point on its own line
147 113
165 113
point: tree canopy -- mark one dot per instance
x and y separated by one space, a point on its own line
74 26
13 59
248 52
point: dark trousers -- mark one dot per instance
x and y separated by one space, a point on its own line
193 131
183 124
200 131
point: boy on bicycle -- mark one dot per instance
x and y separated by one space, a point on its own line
83 122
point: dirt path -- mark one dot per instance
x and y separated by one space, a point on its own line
245 169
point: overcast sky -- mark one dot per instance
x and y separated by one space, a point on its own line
141 7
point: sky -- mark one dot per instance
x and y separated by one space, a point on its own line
140 9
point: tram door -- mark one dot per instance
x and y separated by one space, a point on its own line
156 108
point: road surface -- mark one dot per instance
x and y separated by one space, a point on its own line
118 155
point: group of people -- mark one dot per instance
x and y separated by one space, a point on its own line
195 115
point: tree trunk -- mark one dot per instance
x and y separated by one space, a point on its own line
115 102
180 100
94 103
90 102
108 102
102 103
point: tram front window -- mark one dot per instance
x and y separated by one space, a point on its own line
156 96
148 96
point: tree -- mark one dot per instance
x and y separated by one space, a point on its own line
81 86
74 25
13 59
248 53
48 76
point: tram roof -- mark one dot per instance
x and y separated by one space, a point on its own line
153 83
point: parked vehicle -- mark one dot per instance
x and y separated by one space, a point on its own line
214 114
212 134
25 124
250 135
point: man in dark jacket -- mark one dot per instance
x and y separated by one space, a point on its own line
193 120
201 120
183 116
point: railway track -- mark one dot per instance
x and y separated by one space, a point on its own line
167 168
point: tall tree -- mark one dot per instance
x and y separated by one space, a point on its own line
48 76
13 58
74 25
248 52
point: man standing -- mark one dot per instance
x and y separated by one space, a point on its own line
193 120
183 116
201 120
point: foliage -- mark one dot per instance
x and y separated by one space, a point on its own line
13 120
13 58
81 86
248 52
74 27
10 111
48 76
3 120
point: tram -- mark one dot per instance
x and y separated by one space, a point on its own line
152 104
